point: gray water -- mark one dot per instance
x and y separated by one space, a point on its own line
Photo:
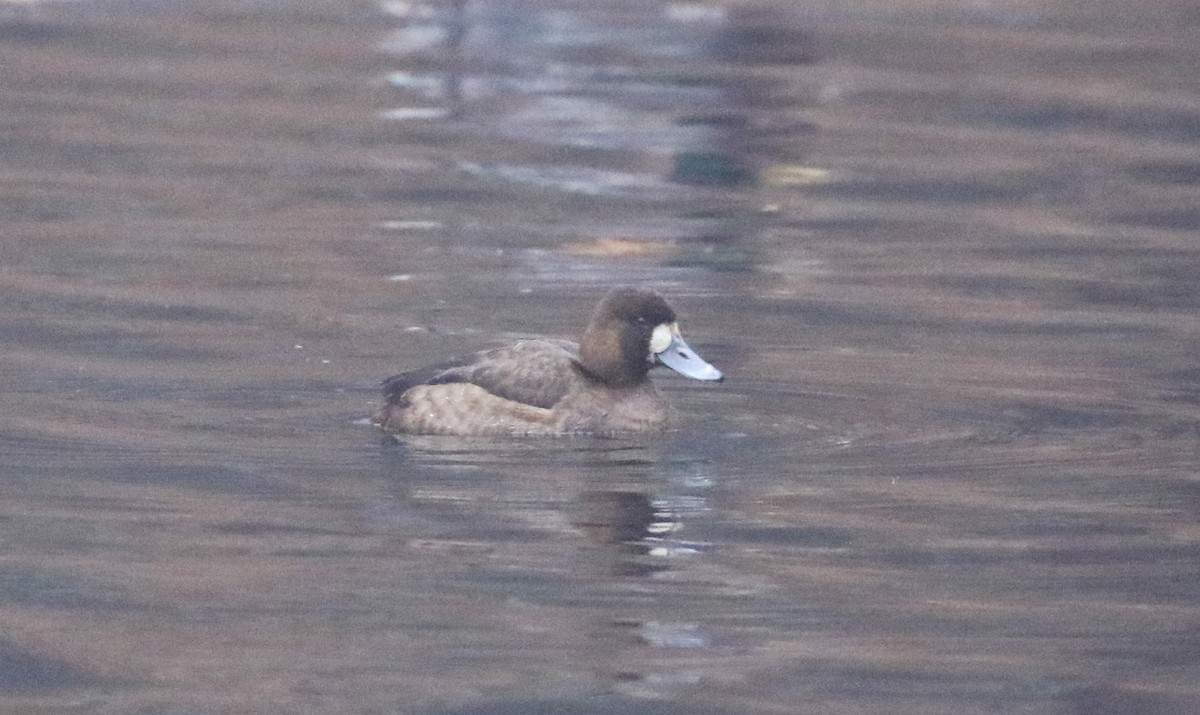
947 254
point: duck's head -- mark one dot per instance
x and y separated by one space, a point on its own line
633 330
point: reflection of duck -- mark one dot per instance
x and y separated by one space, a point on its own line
624 524
599 386
620 518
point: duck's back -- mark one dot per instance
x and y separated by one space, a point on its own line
502 391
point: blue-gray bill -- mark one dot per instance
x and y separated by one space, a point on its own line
683 360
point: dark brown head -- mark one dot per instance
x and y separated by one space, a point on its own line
631 331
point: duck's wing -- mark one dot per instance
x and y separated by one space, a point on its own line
395 386
534 372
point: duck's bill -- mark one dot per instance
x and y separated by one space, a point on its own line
683 360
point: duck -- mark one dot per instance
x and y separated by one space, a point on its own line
545 386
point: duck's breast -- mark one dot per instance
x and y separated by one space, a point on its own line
601 409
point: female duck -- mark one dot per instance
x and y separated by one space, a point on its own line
547 387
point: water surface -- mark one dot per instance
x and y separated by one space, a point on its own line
948 257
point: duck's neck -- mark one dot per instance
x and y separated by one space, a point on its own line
603 355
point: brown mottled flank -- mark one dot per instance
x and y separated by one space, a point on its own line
454 409
451 409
